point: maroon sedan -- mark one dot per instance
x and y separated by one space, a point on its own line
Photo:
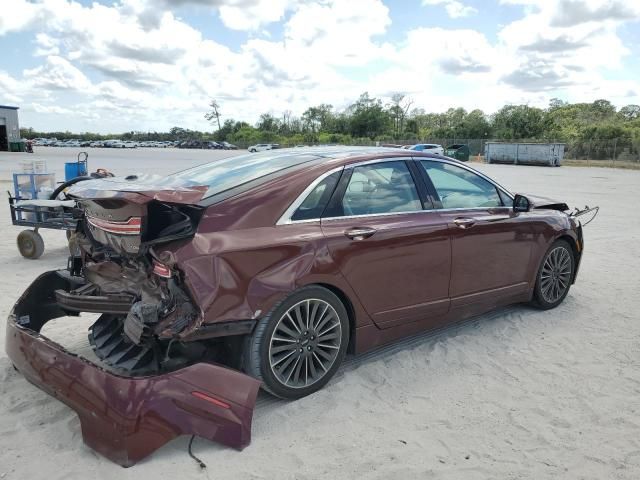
277 265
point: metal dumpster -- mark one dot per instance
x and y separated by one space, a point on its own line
459 151
17 146
550 154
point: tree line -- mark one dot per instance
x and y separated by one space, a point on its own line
399 120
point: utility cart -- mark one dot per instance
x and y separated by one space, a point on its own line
31 206
38 202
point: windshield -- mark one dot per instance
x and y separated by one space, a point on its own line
230 172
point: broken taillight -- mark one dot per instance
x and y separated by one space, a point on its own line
161 269
128 227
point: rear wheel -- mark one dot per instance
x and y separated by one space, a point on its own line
300 344
555 276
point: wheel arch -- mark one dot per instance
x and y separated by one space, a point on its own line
351 312
575 250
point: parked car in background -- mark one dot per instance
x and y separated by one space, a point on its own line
228 146
428 148
113 143
261 147
130 144
96 144
200 144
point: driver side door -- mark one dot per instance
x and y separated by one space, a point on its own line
491 245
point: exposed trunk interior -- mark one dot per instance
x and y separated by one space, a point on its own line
143 301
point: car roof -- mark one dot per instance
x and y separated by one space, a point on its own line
255 169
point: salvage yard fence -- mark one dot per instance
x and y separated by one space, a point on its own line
624 149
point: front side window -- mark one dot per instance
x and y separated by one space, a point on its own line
380 188
460 188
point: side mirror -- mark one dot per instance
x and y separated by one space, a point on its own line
521 203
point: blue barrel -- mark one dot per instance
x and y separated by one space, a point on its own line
74 169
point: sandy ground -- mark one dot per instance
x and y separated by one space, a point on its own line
516 394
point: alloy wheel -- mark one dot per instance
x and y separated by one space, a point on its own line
305 343
556 274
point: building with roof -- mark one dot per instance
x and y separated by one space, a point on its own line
9 127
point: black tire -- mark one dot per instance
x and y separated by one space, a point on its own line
257 352
63 186
545 295
252 150
30 244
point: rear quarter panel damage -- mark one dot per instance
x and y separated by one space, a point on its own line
243 274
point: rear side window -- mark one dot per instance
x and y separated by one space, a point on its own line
315 203
460 188
380 188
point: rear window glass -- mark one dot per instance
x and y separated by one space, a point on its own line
313 206
231 172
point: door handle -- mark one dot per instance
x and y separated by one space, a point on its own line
359 233
464 222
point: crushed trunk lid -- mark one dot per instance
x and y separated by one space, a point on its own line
126 214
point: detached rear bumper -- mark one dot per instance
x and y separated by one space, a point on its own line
127 418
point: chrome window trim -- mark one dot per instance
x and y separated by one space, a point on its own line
378 160
285 218
366 215
430 210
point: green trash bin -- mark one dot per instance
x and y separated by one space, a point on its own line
16 146
459 151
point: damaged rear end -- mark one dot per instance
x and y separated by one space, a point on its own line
152 385
142 297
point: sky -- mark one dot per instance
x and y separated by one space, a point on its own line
149 65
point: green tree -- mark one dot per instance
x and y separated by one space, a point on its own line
368 117
518 122
629 112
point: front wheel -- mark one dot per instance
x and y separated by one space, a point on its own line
300 344
554 276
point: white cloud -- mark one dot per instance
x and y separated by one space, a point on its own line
454 8
57 74
253 15
56 109
547 57
21 15
46 45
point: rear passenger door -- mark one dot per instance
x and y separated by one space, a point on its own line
390 245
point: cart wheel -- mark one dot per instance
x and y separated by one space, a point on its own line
30 244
